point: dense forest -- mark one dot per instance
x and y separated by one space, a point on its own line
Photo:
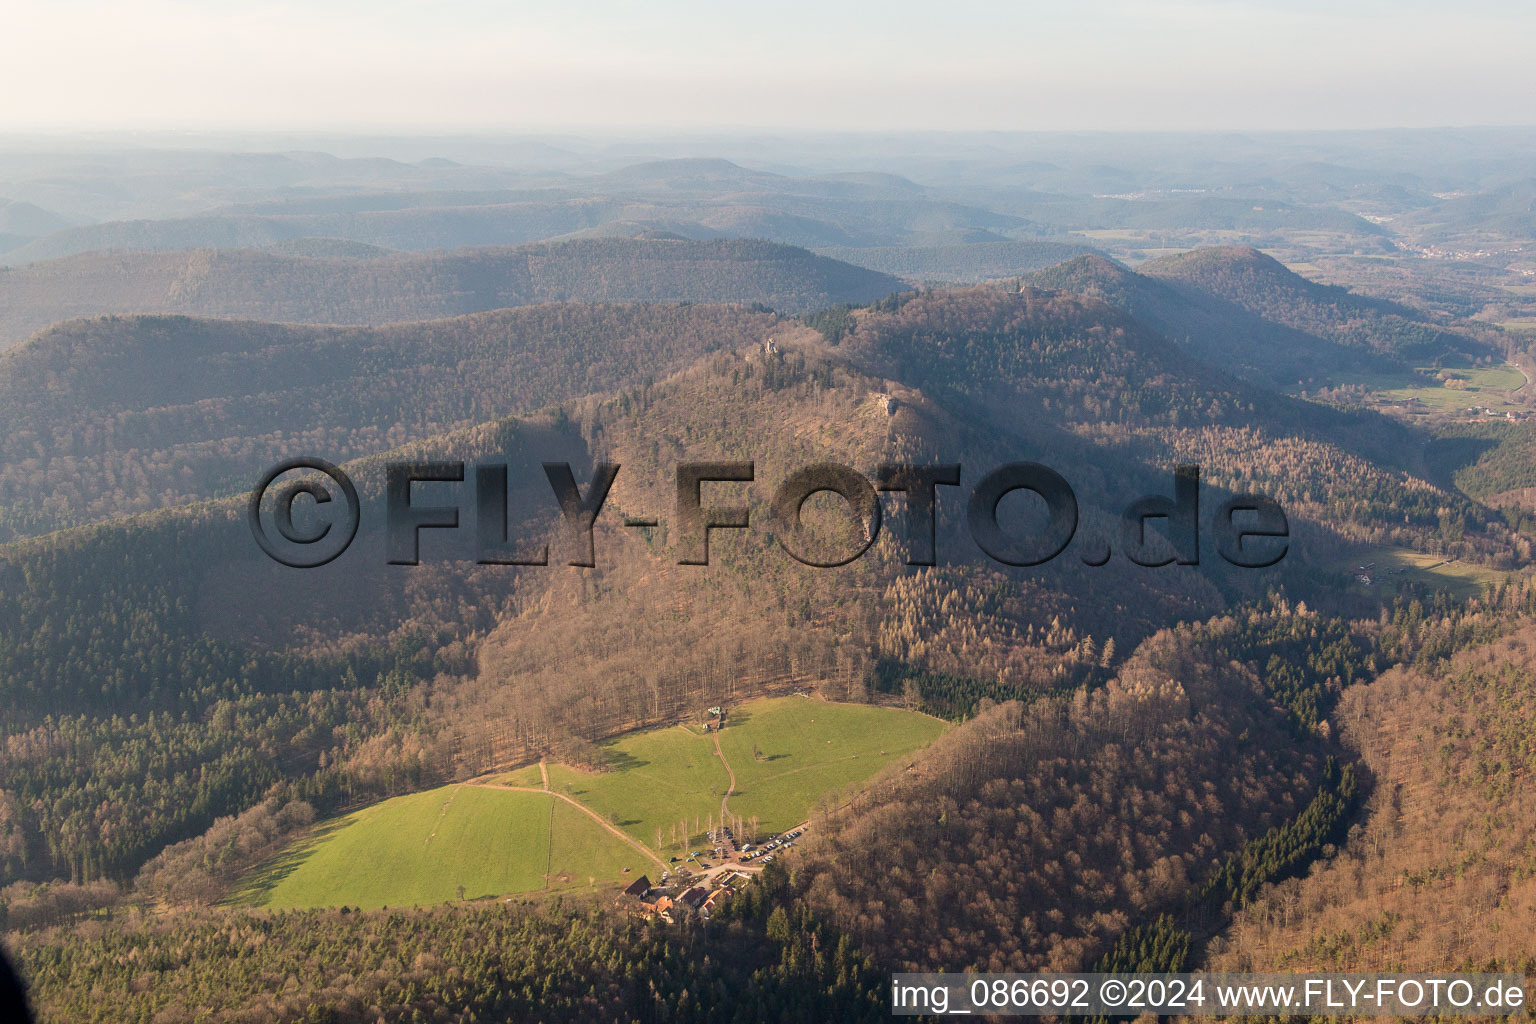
198 645
464 965
1439 870
1048 795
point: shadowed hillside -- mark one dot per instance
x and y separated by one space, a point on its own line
1218 330
122 414
1261 285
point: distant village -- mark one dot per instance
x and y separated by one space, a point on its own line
1493 414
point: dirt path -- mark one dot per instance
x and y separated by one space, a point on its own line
725 810
442 812
544 772
549 849
589 812
1516 364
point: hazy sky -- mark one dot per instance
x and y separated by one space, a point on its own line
678 63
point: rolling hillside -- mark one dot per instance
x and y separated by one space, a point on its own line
393 789
159 677
277 286
523 661
199 407
452 669
1506 212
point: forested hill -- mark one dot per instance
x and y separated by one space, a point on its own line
1247 342
122 414
1054 370
278 286
1075 360
1249 280
113 415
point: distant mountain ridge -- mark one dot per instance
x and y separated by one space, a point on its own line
691 198
28 220
294 287
22 222
966 263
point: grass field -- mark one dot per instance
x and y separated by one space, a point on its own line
787 753
1488 386
1396 566
419 849
1485 386
528 775
656 780
807 748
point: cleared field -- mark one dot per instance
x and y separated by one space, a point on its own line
1493 387
420 849
1394 567
583 854
1486 386
528 775
656 779
788 752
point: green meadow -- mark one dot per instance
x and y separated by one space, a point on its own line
528 775
477 841
421 848
655 779
1494 387
788 752
1397 566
